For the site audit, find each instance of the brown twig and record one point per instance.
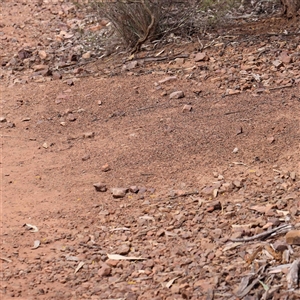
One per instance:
(262, 235)
(281, 87)
(185, 194)
(149, 28)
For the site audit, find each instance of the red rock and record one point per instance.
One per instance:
(187, 108)
(285, 58)
(39, 67)
(105, 168)
(277, 63)
(214, 206)
(177, 95)
(293, 237)
(201, 56)
(71, 118)
(119, 192)
(70, 82)
(123, 249)
(160, 232)
(104, 271)
(56, 76)
(271, 139)
(86, 55)
(112, 262)
(134, 189)
(167, 79)
(100, 187)
(237, 183)
(85, 157)
(90, 134)
(227, 187)
(42, 54)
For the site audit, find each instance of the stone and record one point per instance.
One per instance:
(77, 71)
(179, 60)
(89, 134)
(70, 82)
(11, 125)
(119, 192)
(42, 54)
(56, 76)
(160, 232)
(167, 79)
(39, 67)
(227, 187)
(201, 56)
(100, 187)
(293, 237)
(237, 183)
(187, 108)
(232, 92)
(123, 249)
(285, 58)
(86, 55)
(177, 95)
(104, 271)
(129, 66)
(134, 189)
(112, 262)
(23, 54)
(142, 190)
(293, 176)
(280, 246)
(85, 157)
(3, 120)
(105, 168)
(210, 190)
(271, 139)
(71, 118)
(216, 205)
(235, 150)
(277, 63)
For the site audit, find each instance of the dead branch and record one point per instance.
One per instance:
(264, 235)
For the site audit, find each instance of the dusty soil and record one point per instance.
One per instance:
(220, 163)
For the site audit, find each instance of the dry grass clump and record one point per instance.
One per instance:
(139, 20)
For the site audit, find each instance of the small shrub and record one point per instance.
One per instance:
(135, 21)
(139, 20)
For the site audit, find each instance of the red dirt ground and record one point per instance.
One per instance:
(49, 165)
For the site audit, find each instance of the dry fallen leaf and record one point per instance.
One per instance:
(72, 258)
(146, 217)
(279, 269)
(238, 163)
(80, 265)
(31, 228)
(120, 229)
(170, 282)
(121, 257)
(36, 244)
(231, 245)
(6, 259)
